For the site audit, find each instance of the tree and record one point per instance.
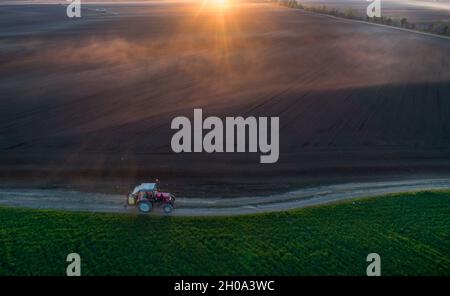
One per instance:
(404, 22)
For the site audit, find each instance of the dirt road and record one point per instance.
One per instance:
(96, 202)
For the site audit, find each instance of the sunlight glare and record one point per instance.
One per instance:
(220, 3)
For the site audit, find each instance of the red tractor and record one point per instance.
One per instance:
(147, 195)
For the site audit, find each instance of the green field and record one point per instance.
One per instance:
(410, 231)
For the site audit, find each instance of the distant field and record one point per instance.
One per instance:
(418, 11)
(410, 232)
(88, 103)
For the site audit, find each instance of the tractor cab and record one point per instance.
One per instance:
(146, 187)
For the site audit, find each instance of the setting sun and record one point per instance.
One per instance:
(220, 3)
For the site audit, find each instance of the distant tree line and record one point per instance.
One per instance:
(441, 28)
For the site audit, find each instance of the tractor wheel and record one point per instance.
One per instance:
(168, 208)
(145, 207)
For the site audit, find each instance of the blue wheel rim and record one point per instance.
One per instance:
(144, 207)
